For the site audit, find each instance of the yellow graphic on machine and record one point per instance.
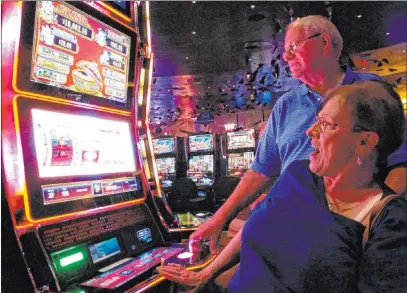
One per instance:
(87, 78)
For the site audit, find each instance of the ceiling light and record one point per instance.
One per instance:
(250, 59)
(253, 6)
(359, 16)
(187, 57)
(193, 2)
(387, 33)
(194, 32)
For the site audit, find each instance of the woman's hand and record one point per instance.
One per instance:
(179, 274)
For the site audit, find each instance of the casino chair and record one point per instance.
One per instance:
(223, 188)
(184, 196)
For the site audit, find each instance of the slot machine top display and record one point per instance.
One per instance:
(67, 53)
(163, 146)
(200, 143)
(241, 140)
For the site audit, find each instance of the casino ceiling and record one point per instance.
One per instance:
(218, 63)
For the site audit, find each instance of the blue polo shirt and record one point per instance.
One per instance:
(284, 139)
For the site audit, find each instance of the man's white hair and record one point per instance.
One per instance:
(314, 24)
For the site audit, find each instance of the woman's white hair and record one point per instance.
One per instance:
(314, 24)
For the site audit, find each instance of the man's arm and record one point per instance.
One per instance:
(228, 257)
(244, 194)
(266, 164)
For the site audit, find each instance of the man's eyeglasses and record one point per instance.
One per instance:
(294, 46)
(324, 125)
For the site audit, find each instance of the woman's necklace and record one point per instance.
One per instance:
(339, 206)
(353, 210)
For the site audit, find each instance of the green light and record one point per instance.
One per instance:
(75, 290)
(71, 259)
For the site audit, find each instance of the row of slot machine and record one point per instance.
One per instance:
(207, 156)
(78, 213)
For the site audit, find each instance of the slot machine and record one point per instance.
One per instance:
(240, 150)
(201, 158)
(80, 205)
(166, 152)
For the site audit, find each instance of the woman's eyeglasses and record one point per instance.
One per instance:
(324, 125)
(294, 46)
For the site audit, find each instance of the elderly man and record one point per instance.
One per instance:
(313, 46)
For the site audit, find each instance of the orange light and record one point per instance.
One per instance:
(161, 278)
(148, 28)
(140, 99)
(182, 229)
(111, 207)
(117, 12)
(18, 136)
(149, 139)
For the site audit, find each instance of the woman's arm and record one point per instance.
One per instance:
(228, 257)
(383, 266)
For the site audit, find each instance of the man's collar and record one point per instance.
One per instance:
(349, 77)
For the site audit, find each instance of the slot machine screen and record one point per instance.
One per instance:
(240, 161)
(104, 250)
(75, 55)
(165, 166)
(241, 140)
(70, 144)
(199, 143)
(144, 235)
(200, 169)
(76, 154)
(164, 145)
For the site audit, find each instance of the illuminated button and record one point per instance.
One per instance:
(185, 255)
(71, 259)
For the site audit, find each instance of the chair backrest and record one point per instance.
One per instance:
(184, 188)
(223, 187)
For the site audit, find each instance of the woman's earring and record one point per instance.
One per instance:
(359, 161)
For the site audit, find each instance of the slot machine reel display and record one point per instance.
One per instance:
(240, 151)
(201, 159)
(80, 204)
(165, 151)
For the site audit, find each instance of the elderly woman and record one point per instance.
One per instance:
(309, 237)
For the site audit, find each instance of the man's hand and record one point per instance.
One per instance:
(211, 231)
(243, 195)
